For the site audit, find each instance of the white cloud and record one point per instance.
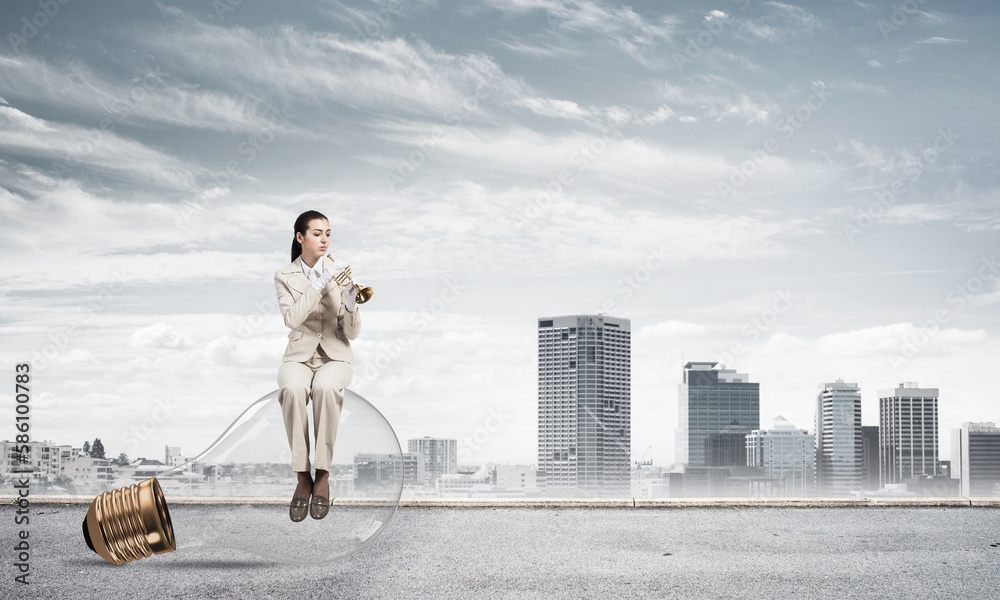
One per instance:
(547, 107)
(703, 97)
(672, 329)
(151, 97)
(469, 229)
(633, 34)
(853, 85)
(259, 352)
(544, 51)
(866, 155)
(919, 213)
(160, 335)
(117, 234)
(782, 23)
(105, 151)
(661, 114)
(532, 155)
(942, 40)
(76, 355)
(378, 74)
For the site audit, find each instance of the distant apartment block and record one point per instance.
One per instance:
(838, 439)
(440, 456)
(515, 477)
(376, 472)
(975, 459)
(172, 456)
(45, 461)
(717, 408)
(584, 404)
(908, 434)
(870, 479)
(787, 455)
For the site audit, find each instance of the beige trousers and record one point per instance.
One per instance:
(323, 379)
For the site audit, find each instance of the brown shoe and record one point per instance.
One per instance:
(297, 508)
(318, 507)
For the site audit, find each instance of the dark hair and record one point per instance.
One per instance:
(301, 226)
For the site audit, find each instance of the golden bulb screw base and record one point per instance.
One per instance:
(130, 523)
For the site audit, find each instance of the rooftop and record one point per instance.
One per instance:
(561, 552)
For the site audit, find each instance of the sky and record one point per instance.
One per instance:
(801, 191)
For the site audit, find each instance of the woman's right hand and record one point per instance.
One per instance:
(328, 274)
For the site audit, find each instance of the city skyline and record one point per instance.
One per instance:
(443, 451)
(789, 188)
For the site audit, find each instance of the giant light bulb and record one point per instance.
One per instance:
(248, 469)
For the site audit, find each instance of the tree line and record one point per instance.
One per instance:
(96, 450)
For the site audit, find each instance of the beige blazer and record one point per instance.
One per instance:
(315, 318)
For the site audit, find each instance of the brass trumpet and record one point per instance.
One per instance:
(364, 294)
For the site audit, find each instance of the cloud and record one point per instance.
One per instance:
(468, 229)
(151, 97)
(866, 155)
(120, 234)
(260, 352)
(102, 150)
(547, 107)
(672, 329)
(76, 355)
(541, 50)
(661, 114)
(919, 213)
(781, 23)
(942, 40)
(630, 32)
(880, 342)
(853, 85)
(707, 98)
(160, 335)
(394, 75)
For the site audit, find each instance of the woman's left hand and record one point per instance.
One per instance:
(350, 293)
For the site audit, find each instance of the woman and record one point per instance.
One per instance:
(323, 317)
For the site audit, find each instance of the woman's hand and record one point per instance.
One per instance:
(328, 274)
(350, 293)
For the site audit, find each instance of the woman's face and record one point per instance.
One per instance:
(316, 239)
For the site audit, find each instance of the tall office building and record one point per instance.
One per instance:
(908, 435)
(440, 456)
(838, 439)
(975, 459)
(717, 409)
(584, 403)
(787, 455)
(870, 479)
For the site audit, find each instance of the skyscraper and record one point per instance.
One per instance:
(584, 403)
(440, 456)
(975, 459)
(870, 479)
(908, 434)
(838, 439)
(717, 409)
(787, 455)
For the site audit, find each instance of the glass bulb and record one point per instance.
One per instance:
(248, 470)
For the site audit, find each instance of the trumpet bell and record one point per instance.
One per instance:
(364, 294)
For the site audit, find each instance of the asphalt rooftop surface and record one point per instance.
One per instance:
(547, 552)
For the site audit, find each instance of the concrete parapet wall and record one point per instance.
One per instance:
(878, 501)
